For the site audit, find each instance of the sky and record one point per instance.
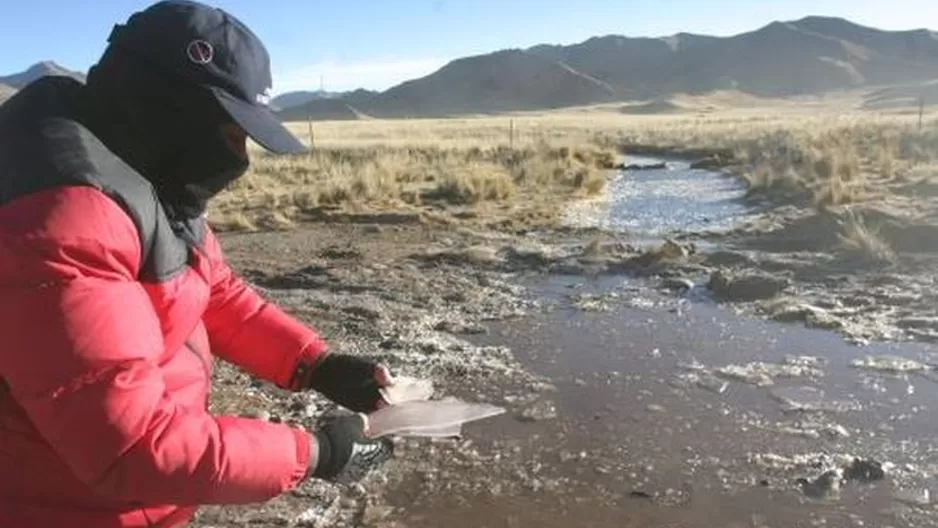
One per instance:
(346, 44)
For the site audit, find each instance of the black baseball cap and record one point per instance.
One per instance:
(211, 48)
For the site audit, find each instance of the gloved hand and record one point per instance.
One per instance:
(345, 454)
(350, 381)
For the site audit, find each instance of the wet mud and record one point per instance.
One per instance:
(659, 369)
(681, 414)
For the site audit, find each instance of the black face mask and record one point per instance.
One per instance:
(199, 175)
(172, 133)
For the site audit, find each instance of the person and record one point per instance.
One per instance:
(115, 295)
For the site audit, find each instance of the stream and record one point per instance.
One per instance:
(673, 412)
(664, 202)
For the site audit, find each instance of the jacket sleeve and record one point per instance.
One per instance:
(80, 354)
(253, 333)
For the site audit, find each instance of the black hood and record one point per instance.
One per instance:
(167, 129)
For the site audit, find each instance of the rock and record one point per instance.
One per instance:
(764, 374)
(889, 363)
(677, 283)
(594, 302)
(750, 287)
(641, 167)
(811, 399)
(865, 470)
(532, 254)
(656, 408)
(789, 311)
(727, 259)
(669, 251)
(825, 487)
(542, 410)
(712, 383)
(836, 431)
(714, 161)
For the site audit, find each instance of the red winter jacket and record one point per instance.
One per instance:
(104, 379)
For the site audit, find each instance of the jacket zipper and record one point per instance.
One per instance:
(205, 367)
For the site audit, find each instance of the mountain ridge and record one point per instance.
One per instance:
(810, 55)
(813, 54)
(37, 70)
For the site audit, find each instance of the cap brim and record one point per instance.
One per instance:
(261, 124)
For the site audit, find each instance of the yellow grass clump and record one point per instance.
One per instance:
(280, 191)
(863, 241)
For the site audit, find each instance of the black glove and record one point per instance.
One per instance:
(349, 381)
(345, 453)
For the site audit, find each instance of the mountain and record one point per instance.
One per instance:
(288, 99)
(810, 55)
(6, 92)
(505, 80)
(40, 69)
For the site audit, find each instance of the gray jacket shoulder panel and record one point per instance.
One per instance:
(39, 153)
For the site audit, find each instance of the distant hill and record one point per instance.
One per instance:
(810, 55)
(288, 99)
(325, 110)
(40, 69)
(908, 96)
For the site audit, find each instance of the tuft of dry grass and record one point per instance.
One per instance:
(864, 242)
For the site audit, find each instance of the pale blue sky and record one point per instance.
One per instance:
(377, 43)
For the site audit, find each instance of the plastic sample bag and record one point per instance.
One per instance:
(411, 413)
(427, 418)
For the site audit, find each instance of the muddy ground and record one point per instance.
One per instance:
(424, 298)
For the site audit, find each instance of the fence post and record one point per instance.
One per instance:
(511, 134)
(312, 138)
(921, 110)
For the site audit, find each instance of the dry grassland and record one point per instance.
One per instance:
(815, 152)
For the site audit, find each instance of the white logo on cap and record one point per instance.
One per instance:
(263, 97)
(200, 52)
